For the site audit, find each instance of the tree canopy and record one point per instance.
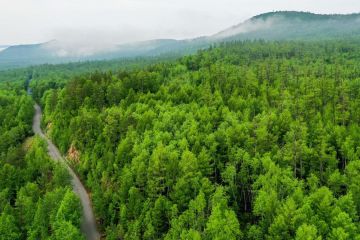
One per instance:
(245, 140)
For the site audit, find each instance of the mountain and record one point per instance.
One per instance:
(288, 25)
(3, 47)
(283, 25)
(54, 52)
(23, 55)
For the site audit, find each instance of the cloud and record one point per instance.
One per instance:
(249, 26)
(81, 43)
(31, 21)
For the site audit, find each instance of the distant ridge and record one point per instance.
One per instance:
(292, 25)
(305, 15)
(278, 25)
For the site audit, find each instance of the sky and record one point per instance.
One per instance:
(121, 21)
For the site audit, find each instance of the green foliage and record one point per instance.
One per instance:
(8, 227)
(41, 206)
(29, 180)
(223, 223)
(247, 140)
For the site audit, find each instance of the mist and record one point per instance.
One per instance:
(86, 27)
(83, 43)
(250, 26)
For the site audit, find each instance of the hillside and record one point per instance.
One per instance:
(294, 26)
(260, 137)
(268, 26)
(53, 53)
(24, 55)
(3, 47)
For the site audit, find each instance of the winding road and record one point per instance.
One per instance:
(88, 223)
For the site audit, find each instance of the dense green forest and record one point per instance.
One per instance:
(43, 77)
(36, 200)
(245, 140)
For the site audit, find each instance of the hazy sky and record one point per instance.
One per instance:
(31, 21)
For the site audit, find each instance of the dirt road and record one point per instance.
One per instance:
(88, 223)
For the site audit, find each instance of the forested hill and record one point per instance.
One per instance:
(287, 25)
(268, 26)
(307, 16)
(247, 140)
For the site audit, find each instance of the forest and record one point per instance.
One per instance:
(36, 201)
(244, 140)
